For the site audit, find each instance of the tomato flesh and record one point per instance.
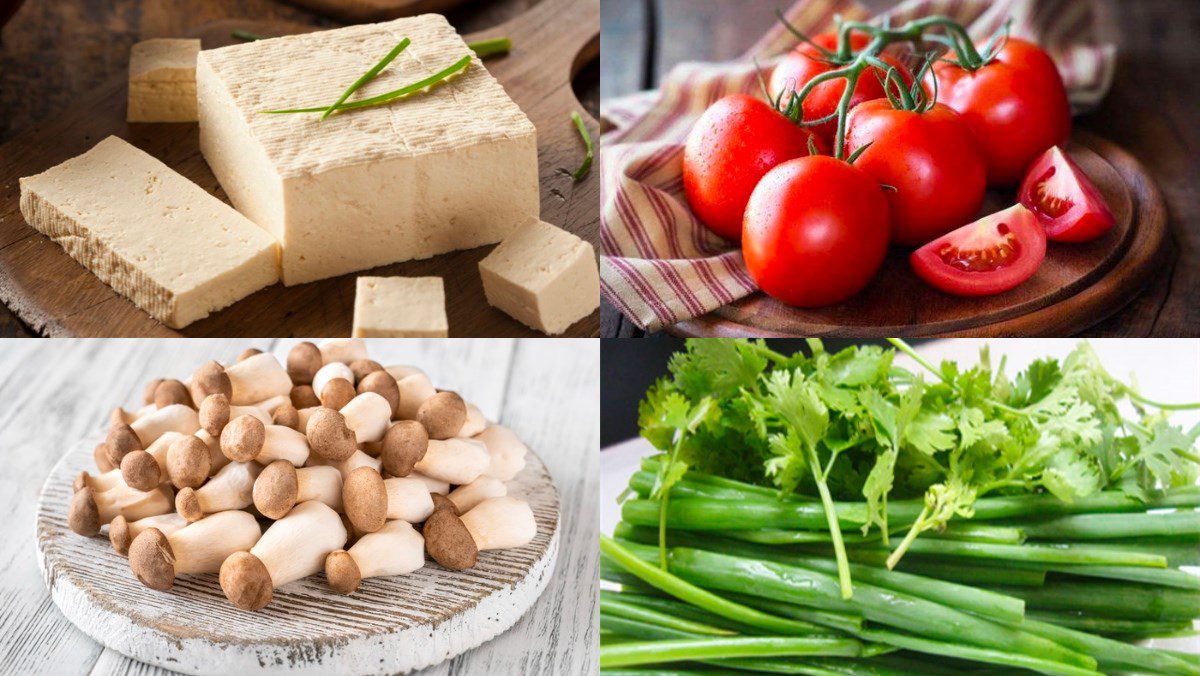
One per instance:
(989, 256)
(1064, 200)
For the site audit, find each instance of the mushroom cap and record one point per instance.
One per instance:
(152, 560)
(337, 393)
(382, 383)
(80, 482)
(100, 456)
(84, 516)
(248, 352)
(149, 390)
(140, 471)
(328, 435)
(287, 415)
(303, 397)
(188, 462)
(443, 415)
(246, 581)
(171, 391)
(275, 490)
(404, 445)
(442, 502)
(188, 505)
(303, 362)
(211, 378)
(361, 367)
(342, 572)
(448, 541)
(242, 439)
(118, 534)
(365, 500)
(214, 413)
(121, 439)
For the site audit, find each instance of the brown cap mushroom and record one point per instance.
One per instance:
(188, 462)
(382, 383)
(211, 379)
(214, 413)
(442, 502)
(120, 441)
(242, 439)
(249, 352)
(156, 558)
(361, 367)
(149, 390)
(276, 489)
(288, 416)
(100, 455)
(329, 436)
(140, 470)
(403, 447)
(171, 392)
(302, 396)
(303, 362)
(443, 415)
(342, 572)
(246, 581)
(365, 499)
(448, 541)
(337, 393)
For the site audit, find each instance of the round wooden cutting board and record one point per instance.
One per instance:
(390, 625)
(1077, 285)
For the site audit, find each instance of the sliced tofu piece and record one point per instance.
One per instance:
(152, 235)
(162, 81)
(543, 276)
(400, 307)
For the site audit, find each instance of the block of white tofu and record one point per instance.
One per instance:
(400, 307)
(449, 168)
(152, 235)
(162, 81)
(543, 276)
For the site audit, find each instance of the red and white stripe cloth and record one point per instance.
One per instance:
(659, 264)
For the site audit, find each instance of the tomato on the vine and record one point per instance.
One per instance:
(929, 157)
(737, 140)
(816, 231)
(806, 62)
(991, 255)
(1064, 200)
(1016, 105)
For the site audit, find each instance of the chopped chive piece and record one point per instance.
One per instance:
(388, 97)
(367, 76)
(246, 35)
(485, 48)
(587, 142)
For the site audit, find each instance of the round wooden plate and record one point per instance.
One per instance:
(390, 625)
(1077, 285)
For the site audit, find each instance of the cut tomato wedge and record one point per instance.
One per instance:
(1064, 200)
(991, 255)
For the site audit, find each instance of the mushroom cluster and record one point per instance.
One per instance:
(267, 473)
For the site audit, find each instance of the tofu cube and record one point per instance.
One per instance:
(162, 81)
(400, 307)
(449, 168)
(543, 276)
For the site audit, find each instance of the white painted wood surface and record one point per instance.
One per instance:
(56, 392)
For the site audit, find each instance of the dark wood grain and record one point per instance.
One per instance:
(363, 11)
(1156, 52)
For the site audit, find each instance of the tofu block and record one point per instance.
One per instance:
(152, 235)
(543, 276)
(453, 167)
(162, 81)
(400, 307)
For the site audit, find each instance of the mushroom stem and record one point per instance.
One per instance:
(257, 378)
(457, 461)
(408, 499)
(367, 415)
(156, 557)
(173, 418)
(469, 495)
(122, 531)
(414, 389)
(501, 523)
(231, 488)
(506, 452)
(283, 443)
(98, 482)
(395, 549)
(330, 372)
(475, 423)
(356, 460)
(434, 485)
(89, 508)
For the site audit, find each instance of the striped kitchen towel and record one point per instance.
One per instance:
(659, 264)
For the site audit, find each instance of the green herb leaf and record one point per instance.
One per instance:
(587, 144)
(367, 76)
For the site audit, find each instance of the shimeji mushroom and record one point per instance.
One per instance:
(122, 531)
(382, 383)
(367, 415)
(496, 523)
(201, 547)
(173, 418)
(395, 549)
(370, 501)
(443, 415)
(210, 378)
(89, 509)
(344, 350)
(281, 486)
(414, 389)
(403, 446)
(303, 362)
(467, 496)
(247, 439)
(457, 461)
(293, 547)
(329, 436)
(505, 450)
(257, 378)
(231, 488)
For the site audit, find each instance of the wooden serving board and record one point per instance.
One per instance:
(56, 296)
(390, 625)
(1076, 286)
(364, 11)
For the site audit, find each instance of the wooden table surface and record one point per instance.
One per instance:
(1147, 112)
(58, 391)
(52, 51)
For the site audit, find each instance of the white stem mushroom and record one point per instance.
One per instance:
(344, 350)
(383, 384)
(89, 509)
(467, 496)
(476, 422)
(329, 436)
(303, 415)
(367, 415)
(156, 557)
(505, 450)
(395, 549)
(257, 378)
(122, 531)
(209, 379)
(501, 523)
(414, 390)
(370, 501)
(457, 461)
(281, 486)
(328, 372)
(292, 548)
(173, 418)
(403, 446)
(345, 467)
(402, 371)
(434, 485)
(98, 482)
(268, 406)
(231, 488)
(443, 415)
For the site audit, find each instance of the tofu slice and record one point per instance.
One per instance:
(453, 167)
(400, 307)
(152, 235)
(542, 276)
(162, 81)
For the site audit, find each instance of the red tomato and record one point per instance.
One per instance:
(1016, 105)
(816, 231)
(991, 255)
(806, 62)
(737, 140)
(931, 160)
(1066, 203)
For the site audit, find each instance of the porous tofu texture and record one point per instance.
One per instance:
(542, 276)
(453, 167)
(162, 81)
(400, 307)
